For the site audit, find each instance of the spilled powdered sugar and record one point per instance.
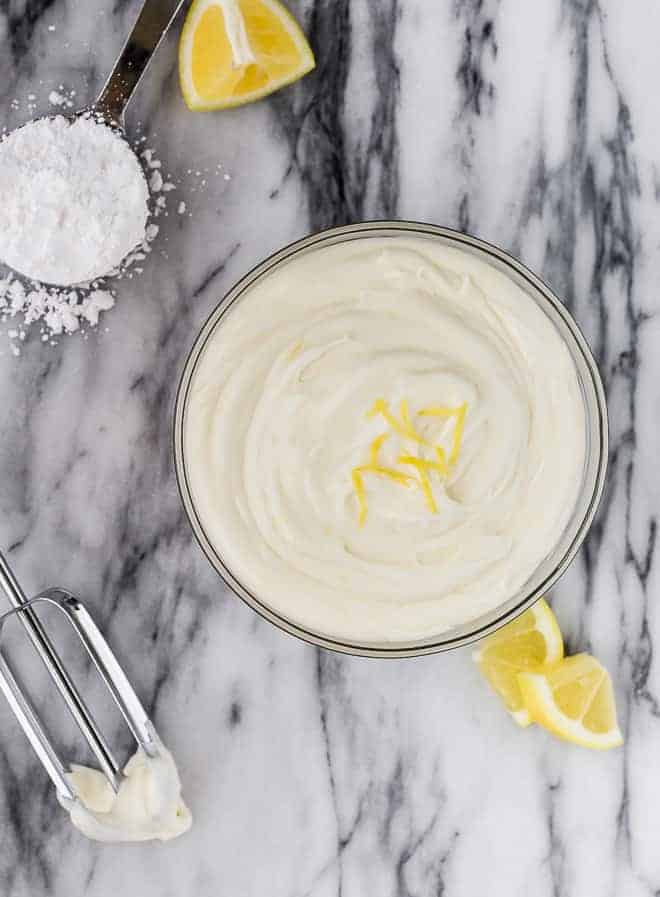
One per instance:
(57, 310)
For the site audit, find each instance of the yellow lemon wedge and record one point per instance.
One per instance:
(528, 643)
(236, 51)
(575, 701)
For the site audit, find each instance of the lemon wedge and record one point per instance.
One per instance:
(528, 643)
(575, 701)
(236, 51)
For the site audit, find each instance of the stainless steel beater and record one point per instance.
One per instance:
(103, 659)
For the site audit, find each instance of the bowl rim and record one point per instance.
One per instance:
(440, 643)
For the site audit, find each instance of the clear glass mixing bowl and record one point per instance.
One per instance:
(593, 474)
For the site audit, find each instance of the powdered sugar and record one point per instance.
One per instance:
(57, 311)
(74, 200)
(30, 310)
(55, 98)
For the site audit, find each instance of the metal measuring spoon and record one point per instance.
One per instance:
(152, 23)
(154, 19)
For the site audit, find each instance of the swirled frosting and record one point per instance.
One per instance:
(320, 359)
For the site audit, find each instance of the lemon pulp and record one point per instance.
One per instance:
(575, 701)
(528, 643)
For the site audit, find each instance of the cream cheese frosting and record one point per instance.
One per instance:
(148, 805)
(335, 361)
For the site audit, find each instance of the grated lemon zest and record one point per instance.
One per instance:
(459, 414)
(358, 486)
(422, 464)
(437, 411)
(407, 423)
(403, 479)
(442, 458)
(425, 482)
(404, 427)
(458, 433)
(375, 447)
(423, 467)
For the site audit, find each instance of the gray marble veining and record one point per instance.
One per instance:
(532, 125)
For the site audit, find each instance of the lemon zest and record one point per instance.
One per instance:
(375, 447)
(428, 492)
(403, 427)
(459, 414)
(360, 491)
(437, 411)
(442, 458)
(403, 479)
(424, 481)
(458, 434)
(423, 467)
(407, 423)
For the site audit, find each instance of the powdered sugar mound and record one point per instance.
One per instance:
(74, 200)
(47, 312)
(59, 311)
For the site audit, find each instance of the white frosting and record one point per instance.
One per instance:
(147, 806)
(277, 422)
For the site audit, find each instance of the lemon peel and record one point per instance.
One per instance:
(424, 467)
(403, 427)
(360, 491)
(458, 413)
(425, 482)
(439, 466)
(403, 479)
(396, 476)
(374, 449)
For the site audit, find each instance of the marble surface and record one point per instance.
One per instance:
(533, 125)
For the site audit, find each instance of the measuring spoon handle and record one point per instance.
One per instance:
(154, 19)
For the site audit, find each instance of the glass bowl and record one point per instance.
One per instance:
(593, 473)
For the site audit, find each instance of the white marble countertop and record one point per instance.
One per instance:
(533, 125)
